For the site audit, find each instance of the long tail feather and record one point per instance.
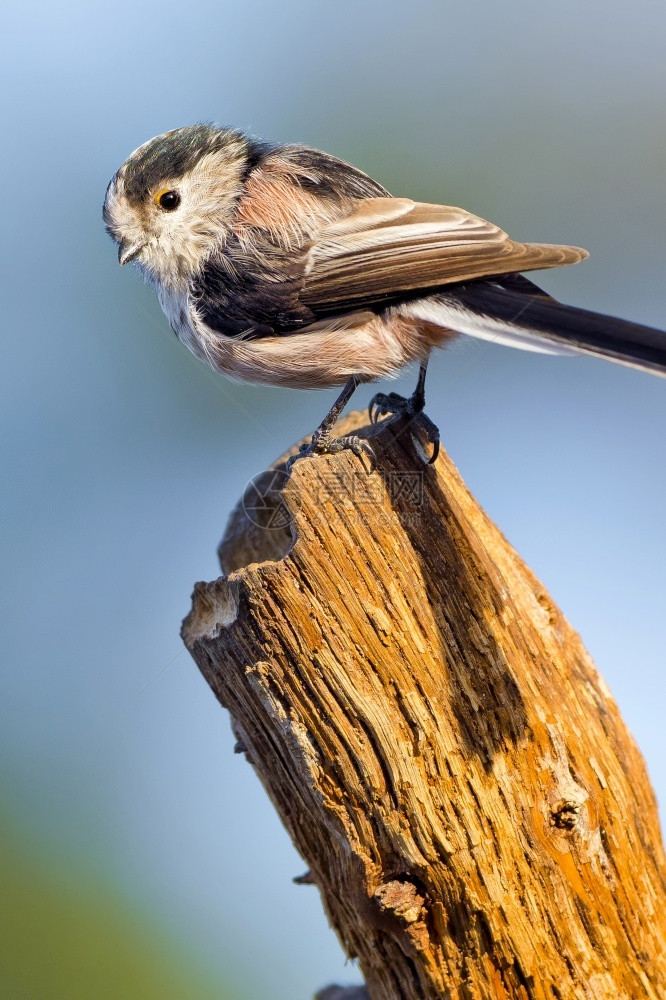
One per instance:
(511, 309)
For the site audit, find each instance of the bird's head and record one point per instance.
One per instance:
(172, 201)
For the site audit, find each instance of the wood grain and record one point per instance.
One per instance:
(434, 736)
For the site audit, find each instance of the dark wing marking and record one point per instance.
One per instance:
(236, 295)
(519, 283)
(386, 249)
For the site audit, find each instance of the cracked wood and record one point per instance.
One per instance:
(434, 736)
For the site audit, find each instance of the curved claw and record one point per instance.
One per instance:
(432, 434)
(382, 404)
(324, 445)
(359, 446)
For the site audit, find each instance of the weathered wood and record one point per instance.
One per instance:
(435, 738)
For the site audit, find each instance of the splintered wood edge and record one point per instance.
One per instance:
(262, 528)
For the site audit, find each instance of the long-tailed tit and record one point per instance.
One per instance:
(287, 266)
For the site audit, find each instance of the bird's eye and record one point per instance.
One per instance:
(168, 200)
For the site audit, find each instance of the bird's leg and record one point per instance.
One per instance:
(322, 443)
(410, 410)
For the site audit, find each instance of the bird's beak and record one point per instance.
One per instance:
(128, 251)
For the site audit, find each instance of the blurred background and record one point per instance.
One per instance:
(140, 858)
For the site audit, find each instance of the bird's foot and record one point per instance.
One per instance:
(324, 444)
(409, 409)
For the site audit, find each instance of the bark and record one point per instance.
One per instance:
(434, 736)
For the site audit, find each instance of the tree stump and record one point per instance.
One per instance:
(434, 736)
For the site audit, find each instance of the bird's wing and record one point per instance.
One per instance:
(387, 248)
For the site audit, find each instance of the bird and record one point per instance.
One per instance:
(284, 265)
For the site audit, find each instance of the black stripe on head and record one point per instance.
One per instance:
(170, 156)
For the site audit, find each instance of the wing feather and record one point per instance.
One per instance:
(388, 247)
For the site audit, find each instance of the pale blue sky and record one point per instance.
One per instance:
(123, 456)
